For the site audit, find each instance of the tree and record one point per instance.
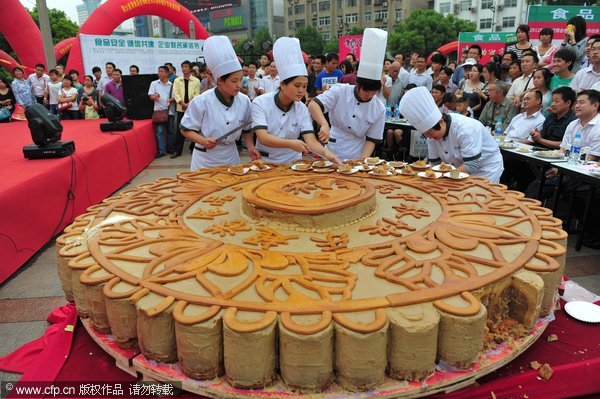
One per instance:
(331, 46)
(426, 30)
(262, 36)
(311, 40)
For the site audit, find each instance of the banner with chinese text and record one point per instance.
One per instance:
(148, 53)
(490, 43)
(556, 17)
(350, 45)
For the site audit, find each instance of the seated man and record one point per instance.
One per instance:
(561, 114)
(499, 106)
(531, 118)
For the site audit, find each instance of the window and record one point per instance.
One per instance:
(398, 15)
(324, 21)
(339, 20)
(485, 4)
(351, 3)
(510, 3)
(314, 22)
(381, 15)
(326, 36)
(290, 10)
(324, 5)
(367, 16)
(465, 5)
(352, 18)
(485, 23)
(299, 9)
(445, 8)
(300, 23)
(367, 3)
(508, 22)
(290, 24)
(340, 4)
(313, 7)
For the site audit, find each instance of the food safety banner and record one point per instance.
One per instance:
(148, 53)
(490, 43)
(556, 17)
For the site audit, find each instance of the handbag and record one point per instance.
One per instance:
(18, 113)
(64, 106)
(160, 116)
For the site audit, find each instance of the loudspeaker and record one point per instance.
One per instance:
(135, 89)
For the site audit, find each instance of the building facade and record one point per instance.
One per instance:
(335, 18)
(489, 15)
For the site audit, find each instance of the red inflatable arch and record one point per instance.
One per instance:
(21, 33)
(112, 13)
(449, 48)
(64, 47)
(9, 63)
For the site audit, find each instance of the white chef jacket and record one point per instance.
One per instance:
(210, 115)
(352, 120)
(290, 123)
(468, 139)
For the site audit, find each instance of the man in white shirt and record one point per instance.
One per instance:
(110, 67)
(38, 81)
(159, 92)
(587, 125)
(524, 82)
(251, 82)
(404, 74)
(522, 124)
(587, 77)
(419, 75)
(270, 82)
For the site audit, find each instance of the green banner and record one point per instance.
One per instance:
(474, 37)
(562, 13)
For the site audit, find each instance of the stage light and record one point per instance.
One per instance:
(46, 131)
(114, 111)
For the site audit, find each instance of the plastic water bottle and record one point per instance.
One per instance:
(575, 154)
(397, 112)
(388, 111)
(498, 129)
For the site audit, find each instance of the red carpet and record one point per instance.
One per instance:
(39, 198)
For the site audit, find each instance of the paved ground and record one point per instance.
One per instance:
(28, 297)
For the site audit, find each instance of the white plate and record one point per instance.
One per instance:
(257, 169)
(378, 162)
(239, 174)
(323, 170)
(295, 167)
(436, 168)
(325, 165)
(595, 172)
(420, 167)
(462, 175)
(354, 170)
(508, 145)
(583, 311)
(392, 164)
(549, 154)
(422, 174)
(388, 173)
(401, 172)
(361, 167)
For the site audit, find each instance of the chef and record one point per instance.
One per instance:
(452, 138)
(357, 116)
(218, 117)
(280, 120)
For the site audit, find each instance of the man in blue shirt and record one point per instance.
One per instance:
(330, 76)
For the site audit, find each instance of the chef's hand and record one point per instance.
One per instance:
(299, 146)
(254, 154)
(323, 134)
(331, 157)
(208, 143)
(553, 172)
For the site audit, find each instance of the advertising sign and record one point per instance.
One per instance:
(232, 18)
(556, 17)
(491, 43)
(350, 44)
(148, 53)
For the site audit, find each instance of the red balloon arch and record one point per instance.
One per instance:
(25, 38)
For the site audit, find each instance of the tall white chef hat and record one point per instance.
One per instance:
(372, 53)
(220, 56)
(418, 107)
(288, 58)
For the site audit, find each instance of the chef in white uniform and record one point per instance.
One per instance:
(453, 138)
(218, 111)
(357, 116)
(280, 120)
